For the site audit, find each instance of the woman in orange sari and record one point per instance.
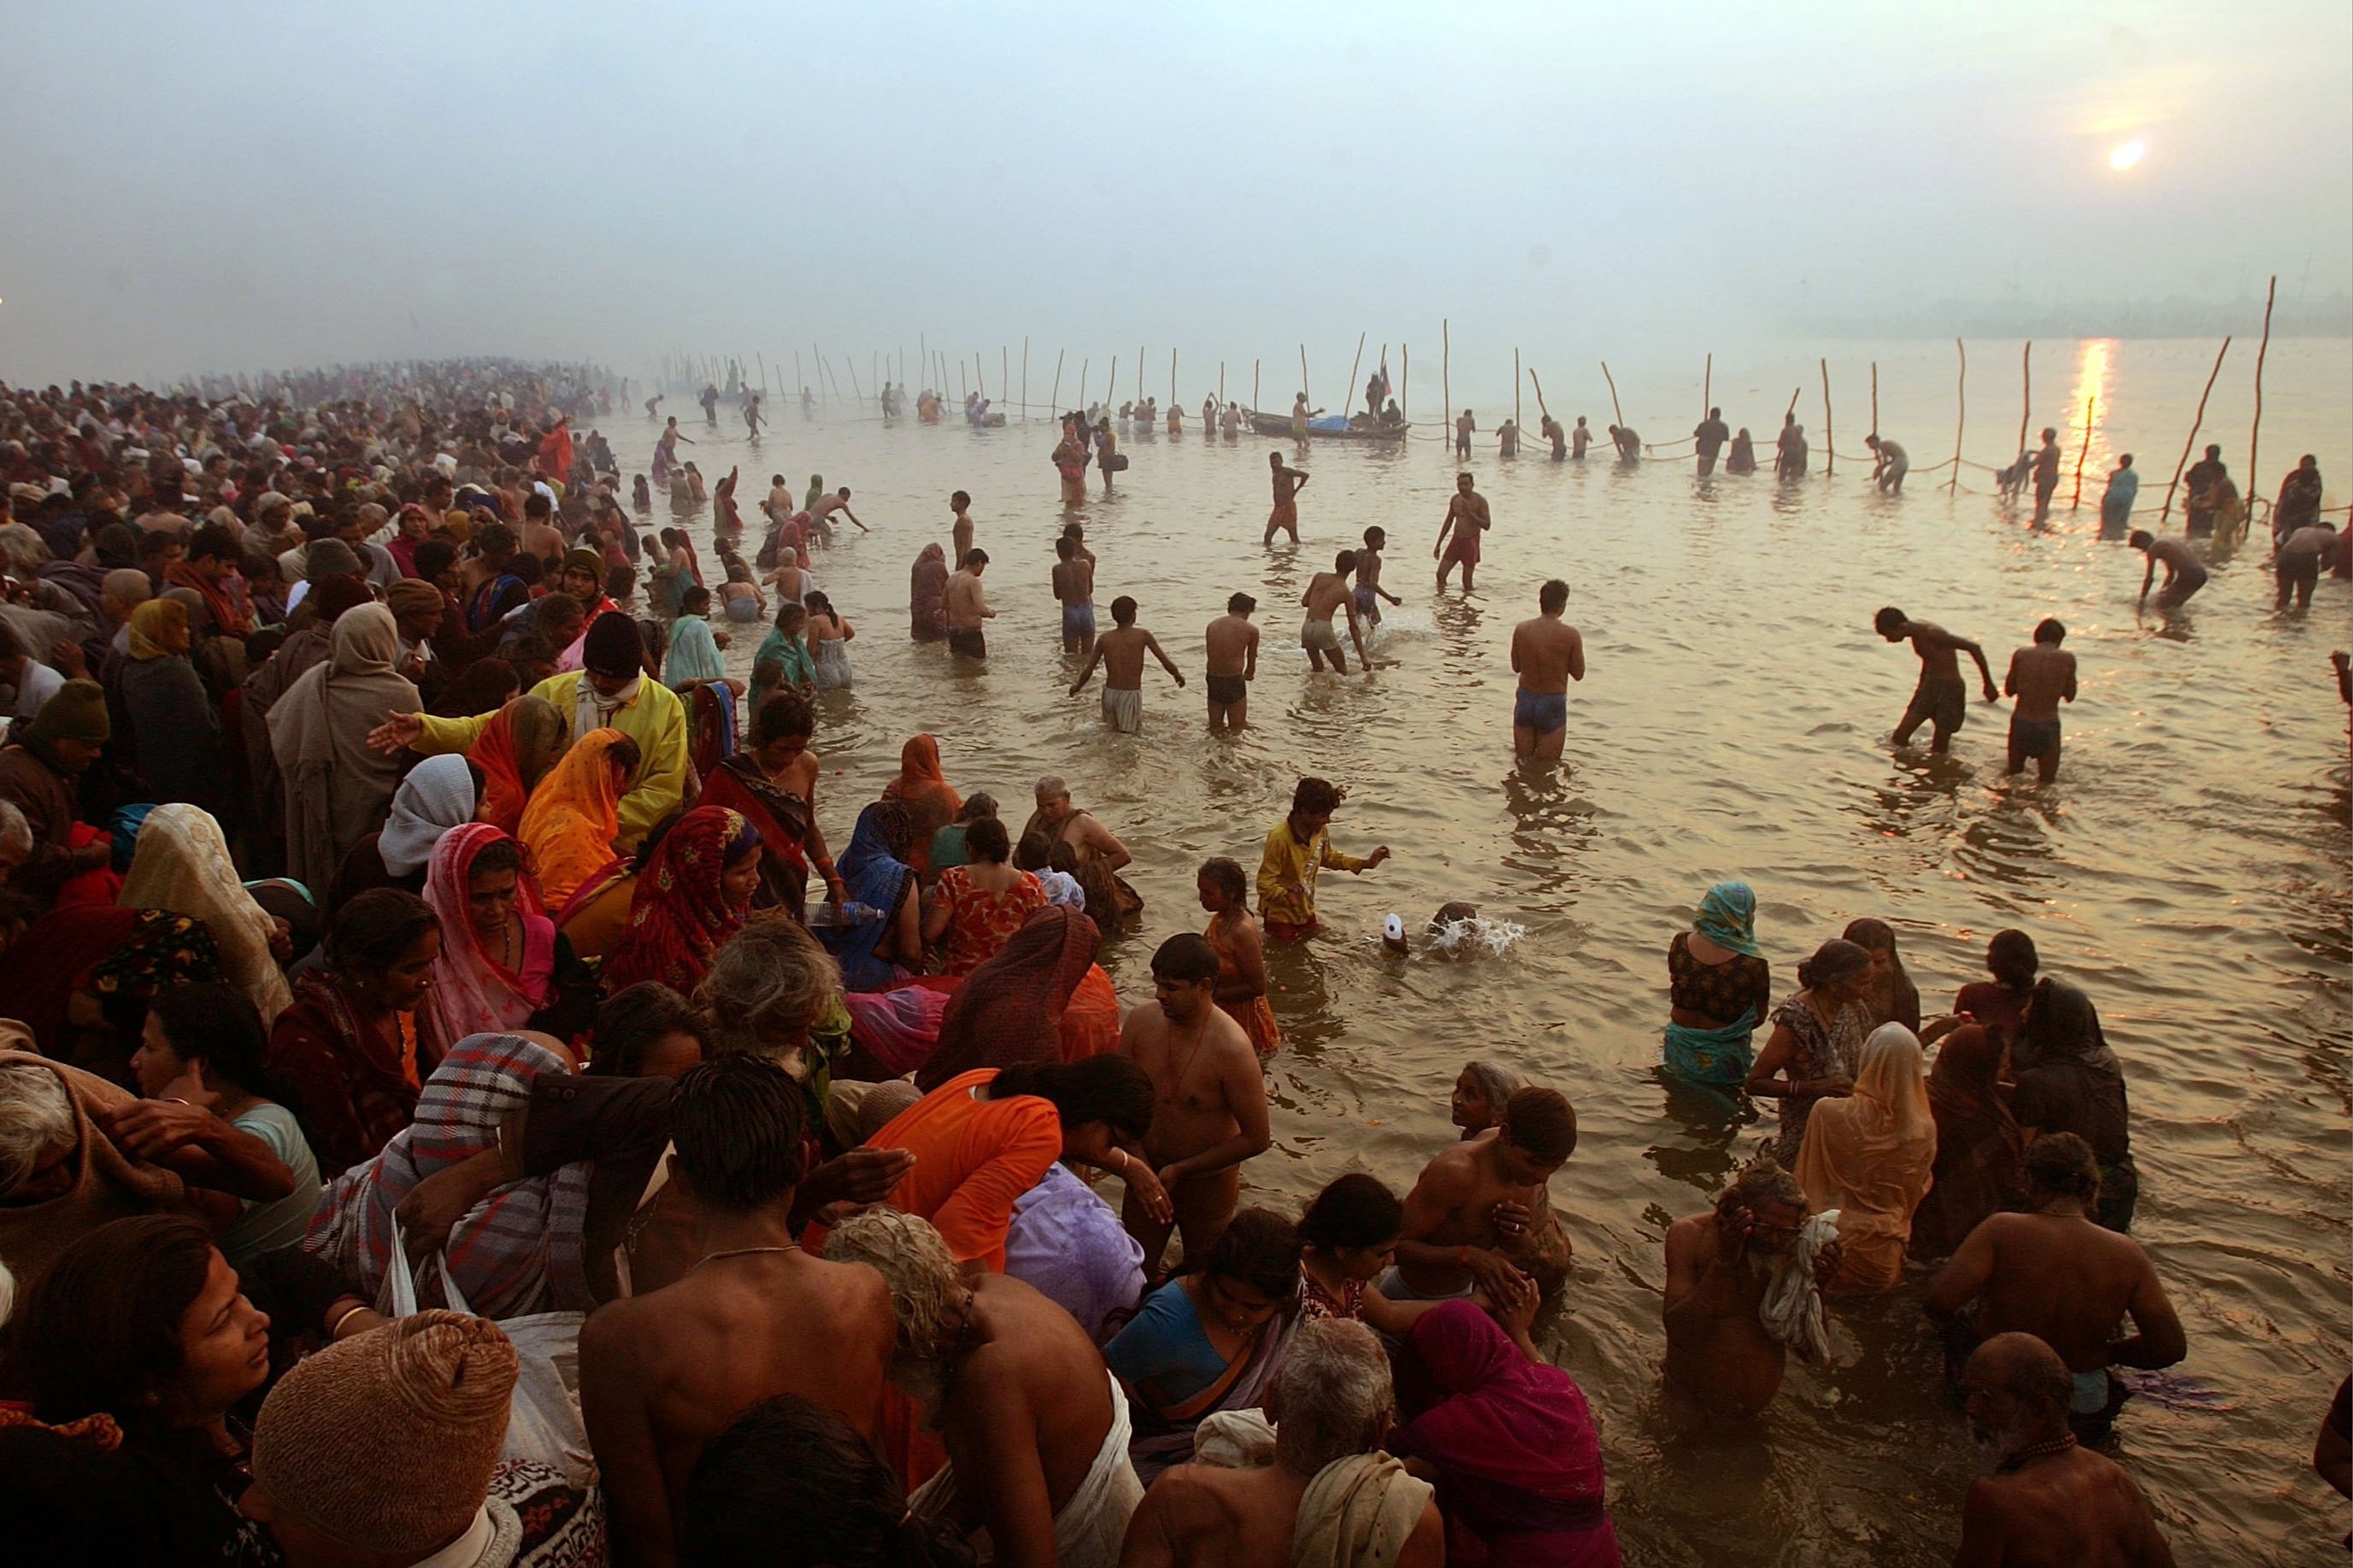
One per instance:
(923, 790)
(569, 826)
(1871, 1156)
(516, 749)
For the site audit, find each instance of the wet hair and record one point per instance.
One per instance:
(1335, 1394)
(2140, 539)
(781, 716)
(1889, 619)
(2051, 631)
(2060, 1165)
(738, 1124)
(1240, 604)
(217, 1024)
(1762, 1181)
(1226, 876)
(1065, 548)
(1122, 610)
(1110, 1088)
(633, 1022)
(1352, 1213)
(985, 840)
(1259, 1249)
(1187, 957)
(2012, 959)
(1542, 1122)
(1035, 852)
(1375, 537)
(1316, 797)
(1344, 562)
(976, 556)
(1835, 963)
(792, 1485)
(926, 1287)
(493, 540)
(959, 499)
(101, 1331)
(1553, 597)
(372, 929)
(433, 557)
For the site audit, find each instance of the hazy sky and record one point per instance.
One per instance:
(240, 185)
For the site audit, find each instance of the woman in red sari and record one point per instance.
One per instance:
(694, 890)
(1011, 1010)
(923, 790)
(979, 906)
(773, 784)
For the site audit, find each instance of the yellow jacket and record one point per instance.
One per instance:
(654, 719)
(1288, 860)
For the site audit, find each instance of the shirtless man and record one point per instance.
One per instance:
(2048, 1502)
(1288, 482)
(1331, 1402)
(959, 532)
(1719, 1264)
(1709, 437)
(1229, 422)
(2059, 1276)
(1507, 439)
(1015, 1388)
(1549, 429)
(1075, 589)
(1089, 839)
(2046, 473)
(1889, 463)
(2184, 573)
(1465, 428)
(1121, 652)
(1942, 698)
(1211, 1113)
(821, 514)
(967, 606)
(779, 504)
(1471, 1221)
(1370, 592)
(1467, 518)
(660, 1375)
(2040, 678)
(1629, 441)
(1233, 663)
(1580, 439)
(1547, 653)
(1328, 591)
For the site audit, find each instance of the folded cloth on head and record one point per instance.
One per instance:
(1234, 1440)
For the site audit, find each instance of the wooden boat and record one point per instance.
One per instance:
(1329, 427)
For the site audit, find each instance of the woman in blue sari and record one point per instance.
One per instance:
(885, 944)
(1721, 989)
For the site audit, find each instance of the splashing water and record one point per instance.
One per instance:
(1456, 938)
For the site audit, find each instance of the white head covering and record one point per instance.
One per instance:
(437, 796)
(182, 864)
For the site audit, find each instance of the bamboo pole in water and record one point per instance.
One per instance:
(923, 352)
(1348, 393)
(2026, 414)
(858, 391)
(1111, 384)
(1003, 370)
(1405, 376)
(764, 373)
(820, 369)
(1172, 378)
(799, 385)
(1615, 406)
(835, 382)
(1302, 376)
(1254, 387)
(1082, 382)
(1539, 386)
(1830, 445)
(2083, 452)
(1139, 374)
(963, 383)
(2255, 480)
(2201, 419)
(1515, 388)
(1445, 359)
(1707, 386)
(1874, 397)
(1025, 379)
(1054, 398)
(1221, 383)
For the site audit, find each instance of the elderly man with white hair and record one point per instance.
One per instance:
(1095, 849)
(1330, 1498)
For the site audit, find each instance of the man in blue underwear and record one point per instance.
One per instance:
(1547, 653)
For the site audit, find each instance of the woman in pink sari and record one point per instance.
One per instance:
(503, 966)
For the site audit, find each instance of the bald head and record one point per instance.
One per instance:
(123, 590)
(2017, 1392)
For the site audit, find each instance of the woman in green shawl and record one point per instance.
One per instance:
(1720, 988)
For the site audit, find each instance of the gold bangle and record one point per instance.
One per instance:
(336, 1327)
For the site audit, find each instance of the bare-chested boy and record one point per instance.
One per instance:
(1471, 1221)
(2040, 678)
(779, 504)
(1233, 663)
(960, 531)
(968, 607)
(1327, 593)
(1211, 1111)
(1942, 698)
(660, 1375)
(1467, 518)
(1547, 653)
(1121, 652)
(1074, 587)
(1288, 482)
(1370, 592)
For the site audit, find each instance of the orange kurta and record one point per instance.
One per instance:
(974, 1158)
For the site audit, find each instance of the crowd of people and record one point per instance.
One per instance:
(412, 989)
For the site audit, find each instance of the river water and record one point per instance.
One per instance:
(2189, 868)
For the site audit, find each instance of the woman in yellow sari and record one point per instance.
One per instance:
(1872, 1157)
(569, 826)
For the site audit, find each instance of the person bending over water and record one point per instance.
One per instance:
(2184, 573)
(1942, 699)
(1738, 1295)
(1546, 653)
(1233, 663)
(1121, 652)
(1889, 463)
(2040, 678)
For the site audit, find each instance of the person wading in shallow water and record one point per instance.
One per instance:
(1721, 1353)
(1942, 699)
(1288, 482)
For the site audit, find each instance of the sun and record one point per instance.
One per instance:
(2125, 155)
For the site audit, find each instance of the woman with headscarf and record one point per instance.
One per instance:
(575, 815)
(2068, 1080)
(338, 788)
(176, 735)
(1978, 1142)
(519, 1250)
(1719, 989)
(515, 749)
(695, 891)
(1517, 1457)
(351, 1045)
(923, 789)
(927, 594)
(1893, 998)
(1009, 1010)
(182, 864)
(1817, 1041)
(1870, 1156)
(436, 797)
(878, 948)
(772, 781)
(503, 965)
(79, 978)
